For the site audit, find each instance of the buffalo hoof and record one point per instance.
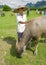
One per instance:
(35, 53)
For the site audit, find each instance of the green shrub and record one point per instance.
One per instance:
(41, 8)
(6, 8)
(33, 8)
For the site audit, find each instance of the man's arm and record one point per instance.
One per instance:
(24, 22)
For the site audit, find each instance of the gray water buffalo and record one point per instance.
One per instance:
(34, 30)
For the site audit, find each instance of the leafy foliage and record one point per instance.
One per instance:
(6, 8)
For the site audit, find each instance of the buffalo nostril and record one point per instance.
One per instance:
(19, 55)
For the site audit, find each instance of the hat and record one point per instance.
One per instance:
(17, 10)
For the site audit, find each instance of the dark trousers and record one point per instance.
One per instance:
(19, 36)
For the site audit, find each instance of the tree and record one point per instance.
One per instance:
(6, 8)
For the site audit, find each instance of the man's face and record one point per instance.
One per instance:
(21, 11)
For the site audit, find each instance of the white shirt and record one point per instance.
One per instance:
(21, 27)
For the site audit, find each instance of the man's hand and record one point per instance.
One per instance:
(29, 20)
(22, 22)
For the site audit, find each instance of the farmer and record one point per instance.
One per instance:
(28, 11)
(45, 11)
(21, 20)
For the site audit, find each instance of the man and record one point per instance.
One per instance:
(21, 20)
(28, 11)
(45, 11)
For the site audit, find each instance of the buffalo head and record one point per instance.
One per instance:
(19, 49)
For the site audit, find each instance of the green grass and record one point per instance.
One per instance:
(7, 22)
(28, 59)
(8, 35)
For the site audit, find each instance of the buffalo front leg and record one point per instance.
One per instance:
(36, 47)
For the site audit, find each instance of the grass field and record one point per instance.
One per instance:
(8, 35)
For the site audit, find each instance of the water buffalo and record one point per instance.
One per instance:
(34, 30)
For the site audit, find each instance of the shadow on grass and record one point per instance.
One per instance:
(12, 41)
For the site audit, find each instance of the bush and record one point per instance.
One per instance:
(33, 8)
(41, 8)
(6, 8)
